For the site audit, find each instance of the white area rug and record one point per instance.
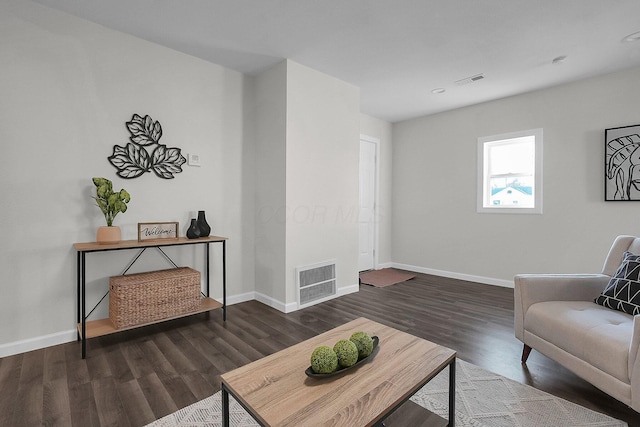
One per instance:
(483, 399)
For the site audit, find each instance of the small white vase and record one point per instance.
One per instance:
(107, 234)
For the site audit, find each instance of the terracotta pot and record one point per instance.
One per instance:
(108, 234)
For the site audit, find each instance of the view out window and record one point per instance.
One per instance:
(510, 172)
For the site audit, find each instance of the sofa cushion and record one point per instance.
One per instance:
(597, 335)
(623, 291)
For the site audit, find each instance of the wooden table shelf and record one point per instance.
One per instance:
(96, 328)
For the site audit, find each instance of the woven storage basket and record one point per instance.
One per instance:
(141, 298)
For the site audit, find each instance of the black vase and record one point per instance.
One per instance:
(205, 229)
(193, 232)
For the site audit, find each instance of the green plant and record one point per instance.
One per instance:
(324, 360)
(364, 342)
(347, 353)
(110, 202)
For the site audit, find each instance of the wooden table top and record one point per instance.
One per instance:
(279, 393)
(132, 244)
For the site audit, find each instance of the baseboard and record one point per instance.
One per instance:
(384, 265)
(277, 304)
(293, 306)
(348, 290)
(237, 299)
(37, 343)
(452, 275)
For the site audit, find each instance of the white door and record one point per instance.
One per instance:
(367, 216)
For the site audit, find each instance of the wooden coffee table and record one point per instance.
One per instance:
(276, 391)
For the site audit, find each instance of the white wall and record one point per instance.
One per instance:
(382, 131)
(435, 224)
(67, 87)
(323, 152)
(307, 153)
(273, 147)
(269, 119)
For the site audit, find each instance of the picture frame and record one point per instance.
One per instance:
(157, 231)
(622, 164)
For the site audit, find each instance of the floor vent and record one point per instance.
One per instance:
(316, 283)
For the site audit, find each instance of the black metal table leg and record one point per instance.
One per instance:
(224, 280)
(225, 406)
(84, 308)
(78, 273)
(452, 392)
(206, 266)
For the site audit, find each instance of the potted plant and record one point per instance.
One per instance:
(111, 204)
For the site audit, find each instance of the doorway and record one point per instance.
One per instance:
(367, 218)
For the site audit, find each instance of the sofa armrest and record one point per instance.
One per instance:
(634, 364)
(534, 288)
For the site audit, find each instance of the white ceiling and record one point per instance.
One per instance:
(396, 51)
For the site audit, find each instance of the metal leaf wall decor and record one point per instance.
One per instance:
(145, 153)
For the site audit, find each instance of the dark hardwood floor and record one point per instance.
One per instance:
(135, 377)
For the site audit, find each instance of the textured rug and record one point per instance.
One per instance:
(483, 399)
(384, 277)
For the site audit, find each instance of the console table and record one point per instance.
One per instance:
(101, 327)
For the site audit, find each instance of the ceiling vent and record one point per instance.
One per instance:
(471, 79)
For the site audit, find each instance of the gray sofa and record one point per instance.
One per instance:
(556, 315)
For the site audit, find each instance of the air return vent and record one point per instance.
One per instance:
(470, 79)
(316, 283)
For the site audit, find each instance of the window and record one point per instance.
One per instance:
(510, 173)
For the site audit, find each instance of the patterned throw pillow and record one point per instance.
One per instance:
(623, 291)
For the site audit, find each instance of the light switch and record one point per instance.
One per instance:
(193, 160)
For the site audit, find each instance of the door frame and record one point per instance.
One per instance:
(376, 195)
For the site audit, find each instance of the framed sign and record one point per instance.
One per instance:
(157, 230)
(622, 164)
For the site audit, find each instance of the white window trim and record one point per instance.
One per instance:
(537, 209)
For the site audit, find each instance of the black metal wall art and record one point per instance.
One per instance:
(622, 164)
(145, 153)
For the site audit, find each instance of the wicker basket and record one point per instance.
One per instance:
(141, 298)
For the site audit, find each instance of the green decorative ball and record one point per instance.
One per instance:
(363, 342)
(347, 353)
(324, 360)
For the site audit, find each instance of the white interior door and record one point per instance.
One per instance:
(367, 215)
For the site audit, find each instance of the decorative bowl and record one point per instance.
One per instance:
(364, 360)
